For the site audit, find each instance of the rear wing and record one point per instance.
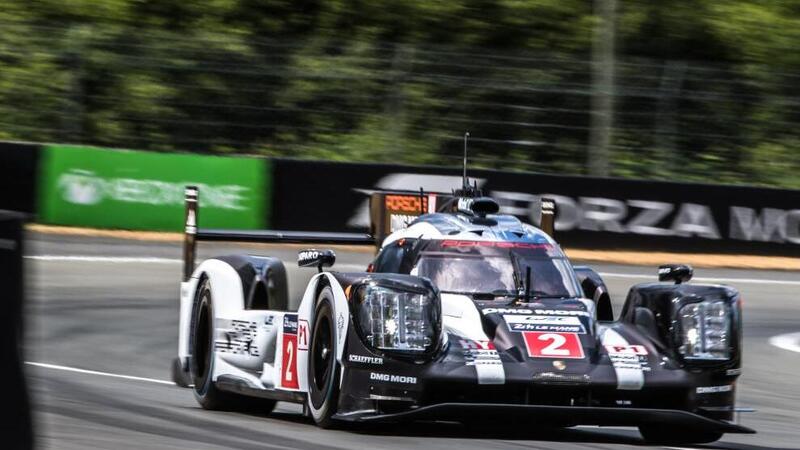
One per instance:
(389, 212)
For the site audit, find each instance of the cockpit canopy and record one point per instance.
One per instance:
(488, 269)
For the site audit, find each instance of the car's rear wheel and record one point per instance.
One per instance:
(660, 434)
(201, 362)
(323, 369)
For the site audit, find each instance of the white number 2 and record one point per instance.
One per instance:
(290, 353)
(554, 347)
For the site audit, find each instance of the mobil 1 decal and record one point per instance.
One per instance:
(549, 324)
(553, 345)
(289, 352)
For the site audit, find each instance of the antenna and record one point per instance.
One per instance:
(465, 181)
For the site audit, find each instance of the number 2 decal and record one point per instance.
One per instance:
(288, 376)
(553, 345)
(289, 353)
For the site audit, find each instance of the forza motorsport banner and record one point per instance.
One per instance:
(591, 212)
(105, 188)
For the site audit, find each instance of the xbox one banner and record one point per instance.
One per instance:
(105, 188)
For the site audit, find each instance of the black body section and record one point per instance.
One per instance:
(654, 308)
(595, 288)
(557, 415)
(316, 258)
(263, 281)
(679, 273)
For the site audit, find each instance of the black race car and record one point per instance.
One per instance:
(464, 313)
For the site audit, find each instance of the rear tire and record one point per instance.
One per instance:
(201, 361)
(656, 434)
(323, 369)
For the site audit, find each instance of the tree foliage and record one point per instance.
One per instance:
(705, 90)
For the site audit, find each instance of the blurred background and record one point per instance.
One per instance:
(658, 94)
(668, 89)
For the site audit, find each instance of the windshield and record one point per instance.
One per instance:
(498, 275)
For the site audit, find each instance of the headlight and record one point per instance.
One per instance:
(705, 330)
(395, 319)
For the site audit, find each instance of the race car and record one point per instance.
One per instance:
(464, 314)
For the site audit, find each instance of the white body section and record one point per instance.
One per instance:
(266, 349)
(462, 318)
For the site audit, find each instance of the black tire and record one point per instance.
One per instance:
(661, 434)
(323, 369)
(179, 377)
(201, 361)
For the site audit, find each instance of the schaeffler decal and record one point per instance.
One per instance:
(289, 353)
(365, 359)
(547, 324)
(553, 345)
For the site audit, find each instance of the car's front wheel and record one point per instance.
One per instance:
(323, 369)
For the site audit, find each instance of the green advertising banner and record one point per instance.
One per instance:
(105, 188)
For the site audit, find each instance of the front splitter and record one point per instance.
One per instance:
(571, 415)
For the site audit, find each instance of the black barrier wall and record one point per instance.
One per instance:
(16, 423)
(592, 212)
(18, 176)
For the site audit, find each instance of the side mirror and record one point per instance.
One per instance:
(679, 273)
(316, 258)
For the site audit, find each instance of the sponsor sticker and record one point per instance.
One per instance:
(714, 389)
(626, 349)
(365, 359)
(476, 345)
(633, 357)
(553, 345)
(548, 324)
(538, 312)
(302, 334)
(391, 378)
(289, 353)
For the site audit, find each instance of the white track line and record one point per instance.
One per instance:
(94, 372)
(158, 260)
(654, 277)
(105, 259)
(789, 341)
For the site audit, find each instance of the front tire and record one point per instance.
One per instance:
(323, 369)
(201, 361)
(655, 434)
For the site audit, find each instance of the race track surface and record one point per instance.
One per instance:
(98, 305)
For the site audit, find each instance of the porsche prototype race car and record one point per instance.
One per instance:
(464, 314)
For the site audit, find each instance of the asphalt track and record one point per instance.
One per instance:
(101, 306)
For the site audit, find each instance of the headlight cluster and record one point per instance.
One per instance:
(397, 319)
(705, 330)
